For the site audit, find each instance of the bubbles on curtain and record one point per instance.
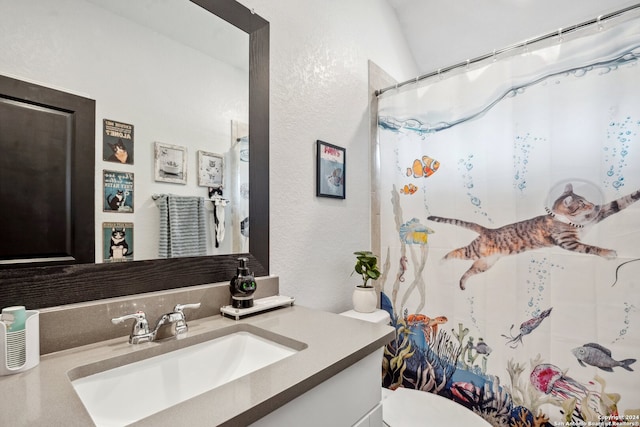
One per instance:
(539, 271)
(465, 166)
(628, 309)
(620, 135)
(472, 313)
(522, 147)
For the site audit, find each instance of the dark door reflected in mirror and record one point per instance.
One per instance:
(46, 174)
(39, 287)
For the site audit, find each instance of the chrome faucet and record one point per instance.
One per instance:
(140, 332)
(169, 325)
(173, 324)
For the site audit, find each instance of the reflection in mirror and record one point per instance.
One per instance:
(46, 175)
(239, 160)
(167, 71)
(34, 49)
(198, 95)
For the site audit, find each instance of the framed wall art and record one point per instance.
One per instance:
(330, 170)
(170, 163)
(210, 169)
(117, 143)
(117, 241)
(117, 191)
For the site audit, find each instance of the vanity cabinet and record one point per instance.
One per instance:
(350, 398)
(331, 379)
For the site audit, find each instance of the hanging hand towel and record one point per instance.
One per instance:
(182, 226)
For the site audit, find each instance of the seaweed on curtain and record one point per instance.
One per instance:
(397, 215)
(471, 352)
(419, 357)
(411, 233)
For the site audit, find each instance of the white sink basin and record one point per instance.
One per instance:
(128, 393)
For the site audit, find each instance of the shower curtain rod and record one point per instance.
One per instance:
(559, 33)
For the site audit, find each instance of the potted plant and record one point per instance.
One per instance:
(365, 299)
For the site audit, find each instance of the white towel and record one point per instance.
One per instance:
(182, 226)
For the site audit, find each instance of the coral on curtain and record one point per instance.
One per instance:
(510, 230)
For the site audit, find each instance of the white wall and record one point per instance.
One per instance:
(319, 52)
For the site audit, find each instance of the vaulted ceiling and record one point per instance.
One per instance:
(441, 33)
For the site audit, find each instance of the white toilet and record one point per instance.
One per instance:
(413, 408)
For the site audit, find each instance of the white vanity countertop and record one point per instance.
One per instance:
(44, 396)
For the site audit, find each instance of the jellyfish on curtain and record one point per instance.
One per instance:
(551, 380)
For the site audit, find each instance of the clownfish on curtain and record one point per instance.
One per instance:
(509, 230)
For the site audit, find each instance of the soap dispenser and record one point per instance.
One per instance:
(242, 286)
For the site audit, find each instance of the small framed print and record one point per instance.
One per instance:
(170, 163)
(117, 241)
(117, 191)
(117, 145)
(210, 169)
(330, 170)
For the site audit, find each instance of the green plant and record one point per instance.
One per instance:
(366, 266)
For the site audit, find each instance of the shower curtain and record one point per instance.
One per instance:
(509, 232)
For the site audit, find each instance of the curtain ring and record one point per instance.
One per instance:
(439, 75)
(560, 34)
(599, 22)
(494, 56)
(467, 66)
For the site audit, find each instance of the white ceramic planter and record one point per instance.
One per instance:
(365, 300)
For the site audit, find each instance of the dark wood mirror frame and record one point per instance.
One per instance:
(41, 287)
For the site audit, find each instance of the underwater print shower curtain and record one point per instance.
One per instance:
(510, 232)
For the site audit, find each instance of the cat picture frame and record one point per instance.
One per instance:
(170, 163)
(118, 191)
(117, 142)
(210, 169)
(117, 242)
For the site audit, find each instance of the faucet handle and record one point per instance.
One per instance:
(139, 316)
(181, 323)
(140, 330)
(180, 307)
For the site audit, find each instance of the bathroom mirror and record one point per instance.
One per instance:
(39, 287)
